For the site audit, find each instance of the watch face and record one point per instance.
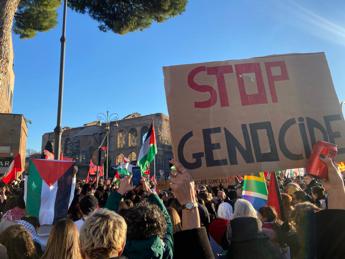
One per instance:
(189, 206)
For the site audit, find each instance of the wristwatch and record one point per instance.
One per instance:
(190, 205)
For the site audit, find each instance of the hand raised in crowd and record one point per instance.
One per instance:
(125, 185)
(334, 185)
(182, 184)
(183, 187)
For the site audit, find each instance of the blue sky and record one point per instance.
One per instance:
(123, 74)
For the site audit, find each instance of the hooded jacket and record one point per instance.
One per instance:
(248, 242)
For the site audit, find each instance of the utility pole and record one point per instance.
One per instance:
(107, 117)
(58, 129)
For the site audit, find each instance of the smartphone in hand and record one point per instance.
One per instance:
(316, 167)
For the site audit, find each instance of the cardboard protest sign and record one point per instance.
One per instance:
(225, 181)
(260, 114)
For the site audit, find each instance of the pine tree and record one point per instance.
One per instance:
(27, 17)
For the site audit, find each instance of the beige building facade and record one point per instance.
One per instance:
(125, 140)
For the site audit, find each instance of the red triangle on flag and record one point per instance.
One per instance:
(51, 170)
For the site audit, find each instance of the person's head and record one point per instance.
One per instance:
(225, 211)
(307, 179)
(164, 196)
(175, 219)
(300, 215)
(291, 188)
(32, 220)
(88, 204)
(63, 241)
(221, 195)
(317, 192)
(15, 201)
(244, 208)
(286, 200)
(18, 243)
(299, 196)
(238, 189)
(103, 235)
(86, 189)
(144, 220)
(268, 214)
(202, 188)
(232, 194)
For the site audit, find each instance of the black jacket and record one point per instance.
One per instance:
(192, 244)
(330, 234)
(247, 242)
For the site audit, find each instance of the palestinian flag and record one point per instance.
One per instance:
(125, 168)
(14, 168)
(49, 189)
(148, 150)
(255, 190)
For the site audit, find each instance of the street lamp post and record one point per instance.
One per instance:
(107, 117)
(58, 129)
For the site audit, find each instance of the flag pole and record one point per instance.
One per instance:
(154, 158)
(154, 167)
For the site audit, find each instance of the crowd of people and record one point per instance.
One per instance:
(186, 221)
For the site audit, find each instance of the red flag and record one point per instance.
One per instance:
(14, 168)
(101, 171)
(92, 168)
(274, 194)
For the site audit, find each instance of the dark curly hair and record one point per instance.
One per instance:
(144, 220)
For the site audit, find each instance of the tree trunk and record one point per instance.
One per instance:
(7, 11)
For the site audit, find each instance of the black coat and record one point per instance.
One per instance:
(330, 234)
(192, 244)
(247, 242)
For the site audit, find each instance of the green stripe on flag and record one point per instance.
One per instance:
(146, 160)
(34, 189)
(255, 186)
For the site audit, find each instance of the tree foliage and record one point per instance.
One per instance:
(35, 16)
(128, 15)
(119, 16)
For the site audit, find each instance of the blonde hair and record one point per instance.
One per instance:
(175, 219)
(103, 234)
(63, 242)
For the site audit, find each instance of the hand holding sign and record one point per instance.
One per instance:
(334, 186)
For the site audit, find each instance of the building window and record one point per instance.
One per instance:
(119, 159)
(132, 138)
(132, 156)
(121, 142)
(66, 146)
(144, 130)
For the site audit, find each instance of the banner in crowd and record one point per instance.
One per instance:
(49, 189)
(5, 163)
(12, 171)
(225, 181)
(259, 114)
